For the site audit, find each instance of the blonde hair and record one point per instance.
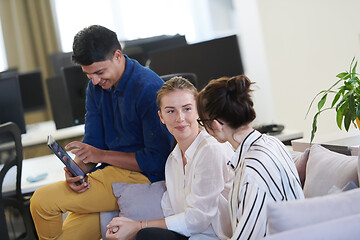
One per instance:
(175, 83)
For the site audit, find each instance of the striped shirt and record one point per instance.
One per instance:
(264, 172)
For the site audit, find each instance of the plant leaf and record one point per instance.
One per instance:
(352, 61)
(342, 102)
(336, 98)
(358, 111)
(322, 102)
(312, 101)
(341, 75)
(351, 81)
(351, 102)
(347, 76)
(347, 120)
(339, 118)
(314, 127)
(340, 112)
(354, 68)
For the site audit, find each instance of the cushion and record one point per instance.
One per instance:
(340, 228)
(326, 169)
(349, 186)
(140, 202)
(359, 165)
(105, 218)
(286, 215)
(300, 159)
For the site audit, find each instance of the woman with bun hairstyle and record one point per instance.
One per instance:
(264, 170)
(197, 178)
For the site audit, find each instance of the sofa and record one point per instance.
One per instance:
(330, 210)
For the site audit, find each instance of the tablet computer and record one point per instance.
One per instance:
(68, 161)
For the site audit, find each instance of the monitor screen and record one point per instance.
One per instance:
(76, 83)
(60, 60)
(60, 106)
(32, 91)
(8, 72)
(139, 49)
(11, 108)
(208, 60)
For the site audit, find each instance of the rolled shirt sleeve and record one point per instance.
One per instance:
(177, 223)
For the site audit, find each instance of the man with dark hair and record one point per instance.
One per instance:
(123, 139)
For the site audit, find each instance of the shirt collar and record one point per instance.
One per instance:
(244, 146)
(129, 65)
(190, 152)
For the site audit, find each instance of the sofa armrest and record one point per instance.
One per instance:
(340, 228)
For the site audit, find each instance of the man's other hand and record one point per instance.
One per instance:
(71, 181)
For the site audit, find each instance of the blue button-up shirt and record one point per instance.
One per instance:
(125, 119)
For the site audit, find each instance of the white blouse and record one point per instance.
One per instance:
(264, 172)
(195, 203)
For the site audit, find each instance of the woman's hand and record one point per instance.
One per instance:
(121, 228)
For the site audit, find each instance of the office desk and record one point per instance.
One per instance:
(35, 138)
(287, 135)
(340, 141)
(49, 164)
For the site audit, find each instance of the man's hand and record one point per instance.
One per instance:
(121, 228)
(71, 181)
(85, 152)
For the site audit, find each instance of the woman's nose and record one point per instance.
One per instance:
(180, 117)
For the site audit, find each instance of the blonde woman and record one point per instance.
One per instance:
(197, 178)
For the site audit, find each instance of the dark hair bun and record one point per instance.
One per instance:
(238, 88)
(227, 99)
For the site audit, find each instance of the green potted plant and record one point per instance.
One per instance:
(346, 100)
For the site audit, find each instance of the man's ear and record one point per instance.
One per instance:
(118, 55)
(160, 116)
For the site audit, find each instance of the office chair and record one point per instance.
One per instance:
(14, 200)
(189, 76)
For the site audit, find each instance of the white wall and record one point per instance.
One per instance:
(306, 44)
(252, 48)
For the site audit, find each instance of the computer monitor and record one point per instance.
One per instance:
(60, 106)
(11, 108)
(208, 60)
(32, 91)
(60, 60)
(8, 72)
(76, 83)
(139, 49)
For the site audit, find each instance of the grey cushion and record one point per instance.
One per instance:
(138, 201)
(105, 218)
(326, 169)
(300, 160)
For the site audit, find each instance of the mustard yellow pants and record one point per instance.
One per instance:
(48, 203)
